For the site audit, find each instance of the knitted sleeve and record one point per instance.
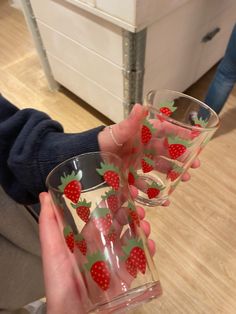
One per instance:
(31, 145)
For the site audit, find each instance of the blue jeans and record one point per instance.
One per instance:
(225, 77)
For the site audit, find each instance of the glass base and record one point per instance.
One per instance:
(130, 300)
(142, 197)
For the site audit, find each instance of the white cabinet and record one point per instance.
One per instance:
(212, 50)
(88, 63)
(110, 53)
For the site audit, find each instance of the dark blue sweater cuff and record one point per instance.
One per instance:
(49, 150)
(31, 145)
(57, 147)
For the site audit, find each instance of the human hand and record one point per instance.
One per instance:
(64, 293)
(125, 132)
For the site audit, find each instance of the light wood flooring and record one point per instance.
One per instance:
(196, 234)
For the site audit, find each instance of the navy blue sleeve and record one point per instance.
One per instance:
(31, 145)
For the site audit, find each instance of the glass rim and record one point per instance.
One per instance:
(74, 157)
(173, 121)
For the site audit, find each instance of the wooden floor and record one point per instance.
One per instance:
(196, 234)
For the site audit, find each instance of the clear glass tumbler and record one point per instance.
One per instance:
(101, 228)
(176, 129)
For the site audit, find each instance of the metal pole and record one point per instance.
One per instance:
(33, 27)
(134, 45)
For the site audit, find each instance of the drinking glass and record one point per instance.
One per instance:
(102, 232)
(176, 129)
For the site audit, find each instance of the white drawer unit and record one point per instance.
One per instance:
(83, 60)
(88, 90)
(111, 53)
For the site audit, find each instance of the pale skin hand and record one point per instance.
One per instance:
(64, 294)
(124, 133)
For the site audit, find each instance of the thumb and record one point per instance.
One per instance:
(122, 131)
(127, 128)
(59, 274)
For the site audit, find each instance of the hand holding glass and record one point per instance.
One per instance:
(101, 228)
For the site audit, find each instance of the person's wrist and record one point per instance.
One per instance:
(102, 139)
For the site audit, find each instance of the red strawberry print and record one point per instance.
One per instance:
(167, 108)
(177, 147)
(102, 219)
(147, 164)
(133, 213)
(80, 243)
(137, 256)
(83, 210)
(132, 176)
(175, 172)
(154, 189)
(69, 237)
(110, 174)
(147, 131)
(71, 186)
(112, 200)
(176, 150)
(166, 111)
(201, 123)
(131, 268)
(111, 236)
(98, 268)
(135, 253)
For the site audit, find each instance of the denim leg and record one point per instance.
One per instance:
(219, 91)
(225, 77)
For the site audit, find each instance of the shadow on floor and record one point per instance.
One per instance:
(199, 89)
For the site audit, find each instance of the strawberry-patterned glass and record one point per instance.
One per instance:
(174, 132)
(102, 233)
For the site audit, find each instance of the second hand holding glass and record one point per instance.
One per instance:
(101, 228)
